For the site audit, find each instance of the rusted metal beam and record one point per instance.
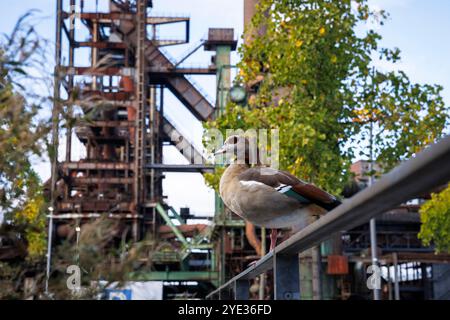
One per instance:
(164, 20)
(115, 71)
(109, 17)
(111, 71)
(93, 102)
(100, 180)
(83, 133)
(97, 165)
(113, 96)
(94, 205)
(100, 44)
(182, 167)
(69, 216)
(184, 89)
(191, 70)
(186, 148)
(89, 71)
(106, 123)
(168, 42)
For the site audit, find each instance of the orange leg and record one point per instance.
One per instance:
(273, 239)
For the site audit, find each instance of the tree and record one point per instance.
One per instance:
(22, 136)
(320, 87)
(435, 217)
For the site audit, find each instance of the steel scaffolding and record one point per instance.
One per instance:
(110, 78)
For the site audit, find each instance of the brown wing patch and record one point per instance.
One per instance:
(269, 177)
(314, 193)
(275, 178)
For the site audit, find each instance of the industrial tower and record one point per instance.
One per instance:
(114, 105)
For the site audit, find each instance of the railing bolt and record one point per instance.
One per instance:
(288, 295)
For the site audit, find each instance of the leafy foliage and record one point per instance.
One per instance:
(435, 217)
(22, 136)
(31, 218)
(314, 68)
(99, 257)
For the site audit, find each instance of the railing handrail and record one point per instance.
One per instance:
(429, 169)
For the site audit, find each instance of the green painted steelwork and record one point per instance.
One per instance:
(172, 226)
(230, 223)
(223, 77)
(187, 246)
(176, 215)
(306, 275)
(201, 246)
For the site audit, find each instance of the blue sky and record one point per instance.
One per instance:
(419, 28)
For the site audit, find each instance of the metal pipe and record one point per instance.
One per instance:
(373, 223)
(222, 256)
(70, 216)
(71, 64)
(389, 282)
(316, 273)
(94, 52)
(396, 279)
(49, 248)
(410, 179)
(154, 136)
(373, 250)
(55, 134)
(56, 98)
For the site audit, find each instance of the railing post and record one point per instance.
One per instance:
(241, 290)
(286, 277)
(225, 294)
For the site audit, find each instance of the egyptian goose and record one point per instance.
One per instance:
(268, 197)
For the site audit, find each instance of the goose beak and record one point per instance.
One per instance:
(222, 150)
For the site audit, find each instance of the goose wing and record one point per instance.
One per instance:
(291, 186)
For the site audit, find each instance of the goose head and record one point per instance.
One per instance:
(239, 147)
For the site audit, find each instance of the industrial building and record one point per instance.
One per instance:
(123, 127)
(118, 98)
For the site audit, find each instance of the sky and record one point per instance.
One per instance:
(419, 28)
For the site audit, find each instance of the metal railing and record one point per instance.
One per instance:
(429, 169)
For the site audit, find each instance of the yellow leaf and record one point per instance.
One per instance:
(305, 141)
(322, 31)
(333, 59)
(298, 43)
